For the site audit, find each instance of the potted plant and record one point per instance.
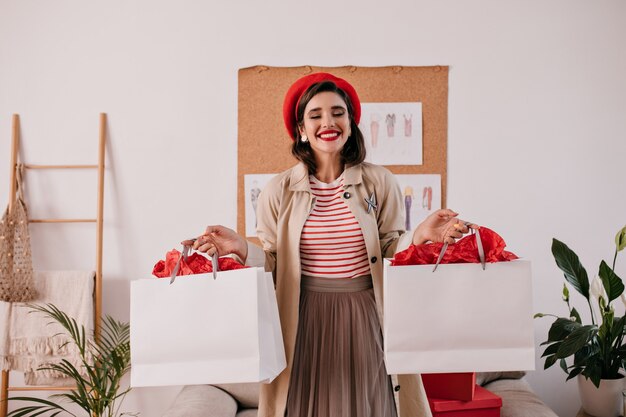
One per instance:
(596, 350)
(103, 364)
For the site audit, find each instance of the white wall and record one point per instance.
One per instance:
(536, 121)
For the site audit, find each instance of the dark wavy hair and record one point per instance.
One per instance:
(353, 152)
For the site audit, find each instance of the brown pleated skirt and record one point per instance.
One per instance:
(338, 368)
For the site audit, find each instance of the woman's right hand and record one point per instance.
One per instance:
(221, 240)
(443, 225)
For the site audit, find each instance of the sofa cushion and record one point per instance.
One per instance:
(202, 401)
(248, 412)
(518, 399)
(247, 395)
(483, 378)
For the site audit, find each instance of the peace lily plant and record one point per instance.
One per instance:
(596, 349)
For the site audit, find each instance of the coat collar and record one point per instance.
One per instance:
(299, 178)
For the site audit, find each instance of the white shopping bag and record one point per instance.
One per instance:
(459, 318)
(201, 330)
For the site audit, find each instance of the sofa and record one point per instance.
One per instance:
(241, 400)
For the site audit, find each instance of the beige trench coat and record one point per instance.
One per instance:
(283, 207)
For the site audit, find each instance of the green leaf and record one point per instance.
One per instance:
(576, 340)
(550, 360)
(613, 284)
(620, 239)
(574, 313)
(587, 354)
(551, 350)
(563, 365)
(45, 406)
(569, 263)
(538, 315)
(618, 328)
(573, 373)
(561, 328)
(593, 372)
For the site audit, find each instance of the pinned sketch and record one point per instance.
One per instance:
(421, 196)
(392, 133)
(253, 185)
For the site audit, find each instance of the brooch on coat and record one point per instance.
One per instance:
(371, 203)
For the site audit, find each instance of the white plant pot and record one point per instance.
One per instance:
(604, 401)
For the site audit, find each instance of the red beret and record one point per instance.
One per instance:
(295, 92)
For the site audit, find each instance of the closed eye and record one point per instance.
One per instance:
(335, 114)
(337, 111)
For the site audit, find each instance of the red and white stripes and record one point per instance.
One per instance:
(332, 243)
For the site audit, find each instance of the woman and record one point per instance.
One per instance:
(325, 226)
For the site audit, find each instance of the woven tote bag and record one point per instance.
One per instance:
(16, 266)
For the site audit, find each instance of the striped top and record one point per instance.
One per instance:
(332, 243)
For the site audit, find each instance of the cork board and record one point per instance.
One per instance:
(264, 147)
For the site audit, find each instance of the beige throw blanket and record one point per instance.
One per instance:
(29, 340)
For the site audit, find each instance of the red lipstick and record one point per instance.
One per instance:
(329, 135)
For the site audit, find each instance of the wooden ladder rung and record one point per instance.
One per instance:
(41, 388)
(62, 220)
(28, 166)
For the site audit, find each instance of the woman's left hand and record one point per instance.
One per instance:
(441, 226)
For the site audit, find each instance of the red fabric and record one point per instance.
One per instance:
(484, 404)
(463, 251)
(452, 386)
(298, 88)
(194, 264)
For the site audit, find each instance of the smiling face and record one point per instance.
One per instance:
(326, 123)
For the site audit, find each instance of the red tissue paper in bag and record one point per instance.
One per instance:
(194, 264)
(464, 250)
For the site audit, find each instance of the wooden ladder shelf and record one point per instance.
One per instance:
(5, 387)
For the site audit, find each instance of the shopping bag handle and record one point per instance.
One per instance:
(183, 255)
(186, 249)
(481, 250)
(479, 246)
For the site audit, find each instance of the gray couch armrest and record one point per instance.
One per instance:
(202, 401)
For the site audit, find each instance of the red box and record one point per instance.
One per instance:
(455, 386)
(484, 404)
